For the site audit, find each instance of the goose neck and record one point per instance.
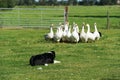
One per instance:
(96, 28)
(51, 30)
(83, 29)
(88, 28)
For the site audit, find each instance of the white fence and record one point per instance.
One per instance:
(30, 17)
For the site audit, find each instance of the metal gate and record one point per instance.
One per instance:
(30, 17)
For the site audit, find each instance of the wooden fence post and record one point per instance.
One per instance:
(66, 14)
(108, 21)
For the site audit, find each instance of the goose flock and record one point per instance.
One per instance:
(72, 34)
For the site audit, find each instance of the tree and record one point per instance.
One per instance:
(3, 3)
(21, 2)
(63, 2)
(28, 2)
(114, 2)
(7, 3)
(50, 2)
(75, 2)
(91, 2)
(85, 2)
(108, 2)
(88, 2)
(72, 2)
(42, 2)
(11, 3)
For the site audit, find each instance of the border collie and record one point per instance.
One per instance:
(42, 59)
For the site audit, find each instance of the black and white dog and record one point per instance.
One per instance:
(42, 59)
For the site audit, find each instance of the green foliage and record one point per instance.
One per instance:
(7, 3)
(80, 61)
(26, 2)
(21, 2)
(12, 3)
(108, 2)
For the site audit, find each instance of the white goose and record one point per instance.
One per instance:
(74, 36)
(96, 33)
(66, 26)
(76, 26)
(50, 35)
(58, 35)
(68, 34)
(83, 35)
(90, 36)
(65, 31)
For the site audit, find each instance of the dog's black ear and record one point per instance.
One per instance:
(53, 52)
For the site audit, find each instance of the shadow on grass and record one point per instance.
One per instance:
(95, 16)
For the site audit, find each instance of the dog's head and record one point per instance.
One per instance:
(53, 53)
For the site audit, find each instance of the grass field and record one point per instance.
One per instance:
(98, 14)
(80, 61)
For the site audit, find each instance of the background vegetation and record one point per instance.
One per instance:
(13, 3)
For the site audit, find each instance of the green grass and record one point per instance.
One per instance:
(81, 61)
(98, 14)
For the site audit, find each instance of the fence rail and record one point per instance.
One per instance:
(30, 17)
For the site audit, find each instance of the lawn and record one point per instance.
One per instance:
(80, 61)
(98, 14)
(99, 60)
